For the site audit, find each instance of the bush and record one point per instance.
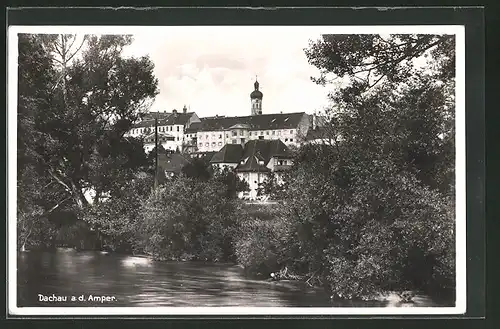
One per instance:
(260, 242)
(189, 219)
(117, 219)
(362, 227)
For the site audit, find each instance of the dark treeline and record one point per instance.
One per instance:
(370, 209)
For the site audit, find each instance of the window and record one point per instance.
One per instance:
(234, 141)
(261, 137)
(279, 133)
(274, 132)
(286, 139)
(220, 143)
(241, 132)
(177, 138)
(178, 128)
(206, 136)
(291, 140)
(291, 132)
(207, 144)
(220, 136)
(213, 143)
(262, 133)
(235, 133)
(267, 132)
(227, 136)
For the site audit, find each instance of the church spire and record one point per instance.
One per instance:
(256, 99)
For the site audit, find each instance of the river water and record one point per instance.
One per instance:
(137, 281)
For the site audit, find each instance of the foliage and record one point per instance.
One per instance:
(260, 239)
(188, 219)
(374, 210)
(77, 98)
(198, 168)
(231, 181)
(118, 218)
(92, 101)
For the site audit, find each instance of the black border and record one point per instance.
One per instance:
(472, 18)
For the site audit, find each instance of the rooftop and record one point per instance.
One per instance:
(230, 153)
(253, 122)
(164, 119)
(258, 153)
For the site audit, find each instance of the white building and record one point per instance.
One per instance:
(171, 126)
(215, 132)
(253, 162)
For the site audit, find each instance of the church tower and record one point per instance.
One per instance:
(256, 99)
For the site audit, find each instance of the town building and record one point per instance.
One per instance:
(190, 134)
(290, 128)
(253, 162)
(171, 129)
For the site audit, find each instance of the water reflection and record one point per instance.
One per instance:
(138, 281)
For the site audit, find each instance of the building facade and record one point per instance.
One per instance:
(253, 163)
(171, 126)
(189, 134)
(214, 133)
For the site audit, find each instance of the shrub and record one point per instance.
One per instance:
(260, 242)
(188, 218)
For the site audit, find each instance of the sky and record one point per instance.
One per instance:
(212, 71)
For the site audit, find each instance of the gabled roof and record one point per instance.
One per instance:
(254, 122)
(261, 150)
(172, 162)
(230, 153)
(240, 126)
(164, 119)
(253, 163)
(266, 149)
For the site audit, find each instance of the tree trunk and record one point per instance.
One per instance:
(78, 196)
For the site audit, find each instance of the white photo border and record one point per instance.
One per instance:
(460, 178)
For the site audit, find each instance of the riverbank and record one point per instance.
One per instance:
(144, 262)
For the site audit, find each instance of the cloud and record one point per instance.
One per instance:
(213, 73)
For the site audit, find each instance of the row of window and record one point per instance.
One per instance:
(254, 133)
(162, 139)
(161, 129)
(208, 144)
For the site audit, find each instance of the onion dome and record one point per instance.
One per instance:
(256, 93)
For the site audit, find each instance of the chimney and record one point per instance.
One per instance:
(184, 109)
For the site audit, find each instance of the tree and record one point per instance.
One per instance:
(77, 98)
(398, 94)
(118, 219)
(231, 182)
(189, 218)
(198, 168)
(97, 96)
(374, 209)
(36, 196)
